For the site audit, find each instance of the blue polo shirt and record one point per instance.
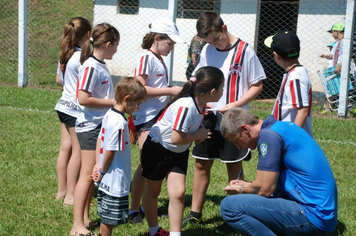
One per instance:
(305, 175)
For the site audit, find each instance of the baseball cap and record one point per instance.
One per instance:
(337, 27)
(285, 42)
(168, 27)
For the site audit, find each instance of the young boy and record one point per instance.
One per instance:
(294, 100)
(114, 175)
(243, 75)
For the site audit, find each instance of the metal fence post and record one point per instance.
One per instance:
(172, 13)
(346, 58)
(22, 67)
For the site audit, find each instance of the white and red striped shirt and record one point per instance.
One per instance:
(96, 79)
(241, 69)
(295, 92)
(152, 65)
(182, 115)
(115, 137)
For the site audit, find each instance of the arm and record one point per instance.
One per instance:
(85, 99)
(301, 117)
(95, 174)
(327, 56)
(108, 157)
(156, 92)
(180, 138)
(251, 94)
(264, 184)
(58, 80)
(338, 68)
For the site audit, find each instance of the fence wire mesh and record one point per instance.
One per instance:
(250, 20)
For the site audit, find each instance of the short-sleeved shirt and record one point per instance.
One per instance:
(96, 79)
(68, 101)
(182, 115)
(295, 92)
(153, 66)
(115, 136)
(238, 76)
(337, 51)
(305, 175)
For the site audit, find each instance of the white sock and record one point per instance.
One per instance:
(174, 233)
(153, 230)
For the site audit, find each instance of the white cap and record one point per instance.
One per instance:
(168, 27)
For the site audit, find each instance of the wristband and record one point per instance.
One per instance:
(240, 191)
(101, 172)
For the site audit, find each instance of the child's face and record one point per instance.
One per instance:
(165, 46)
(218, 93)
(112, 49)
(218, 40)
(335, 34)
(132, 106)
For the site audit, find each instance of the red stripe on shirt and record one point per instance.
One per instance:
(234, 77)
(179, 114)
(141, 66)
(292, 91)
(85, 77)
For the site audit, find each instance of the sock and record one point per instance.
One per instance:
(133, 211)
(153, 230)
(175, 233)
(196, 214)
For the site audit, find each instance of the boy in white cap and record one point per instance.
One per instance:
(153, 74)
(294, 100)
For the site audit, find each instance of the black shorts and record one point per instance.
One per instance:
(148, 125)
(66, 119)
(87, 140)
(157, 161)
(220, 148)
(113, 210)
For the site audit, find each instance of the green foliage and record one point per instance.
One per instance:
(29, 147)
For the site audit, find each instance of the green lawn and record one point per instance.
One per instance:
(28, 151)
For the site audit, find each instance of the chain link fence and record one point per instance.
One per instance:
(250, 20)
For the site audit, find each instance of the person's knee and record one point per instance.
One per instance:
(228, 208)
(178, 192)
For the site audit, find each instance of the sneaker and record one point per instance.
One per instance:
(160, 232)
(190, 220)
(224, 229)
(136, 217)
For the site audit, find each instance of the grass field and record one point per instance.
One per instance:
(29, 144)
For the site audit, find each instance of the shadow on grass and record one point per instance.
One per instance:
(340, 229)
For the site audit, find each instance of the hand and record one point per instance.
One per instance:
(203, 134)
(227, 107)
(95, 174)
(175, 90)
(234, 187)
(338, 70)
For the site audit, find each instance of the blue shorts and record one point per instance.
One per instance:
(113, 210)
(66, 119)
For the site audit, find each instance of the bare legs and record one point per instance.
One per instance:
(62, 162)
(138, 182)
(202, 179)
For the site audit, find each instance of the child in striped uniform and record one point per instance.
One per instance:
(294, 100)
(95, 96)
(114, 175)
(166, 150)
(152, 72)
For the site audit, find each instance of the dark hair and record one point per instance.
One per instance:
(74, 31)
(130, 86)
(208, 22)
(148, 39)
(103, 33)
(207, 79)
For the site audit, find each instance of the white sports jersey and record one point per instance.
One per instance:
(152, 65)
(96, 79)
(115, 137)
(241, 69)
(295, 92)
(182, 115)
(337, 51)
(68, 102)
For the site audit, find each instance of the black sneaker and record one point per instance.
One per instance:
(136, 217)
(224, 229)
(190, 220)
